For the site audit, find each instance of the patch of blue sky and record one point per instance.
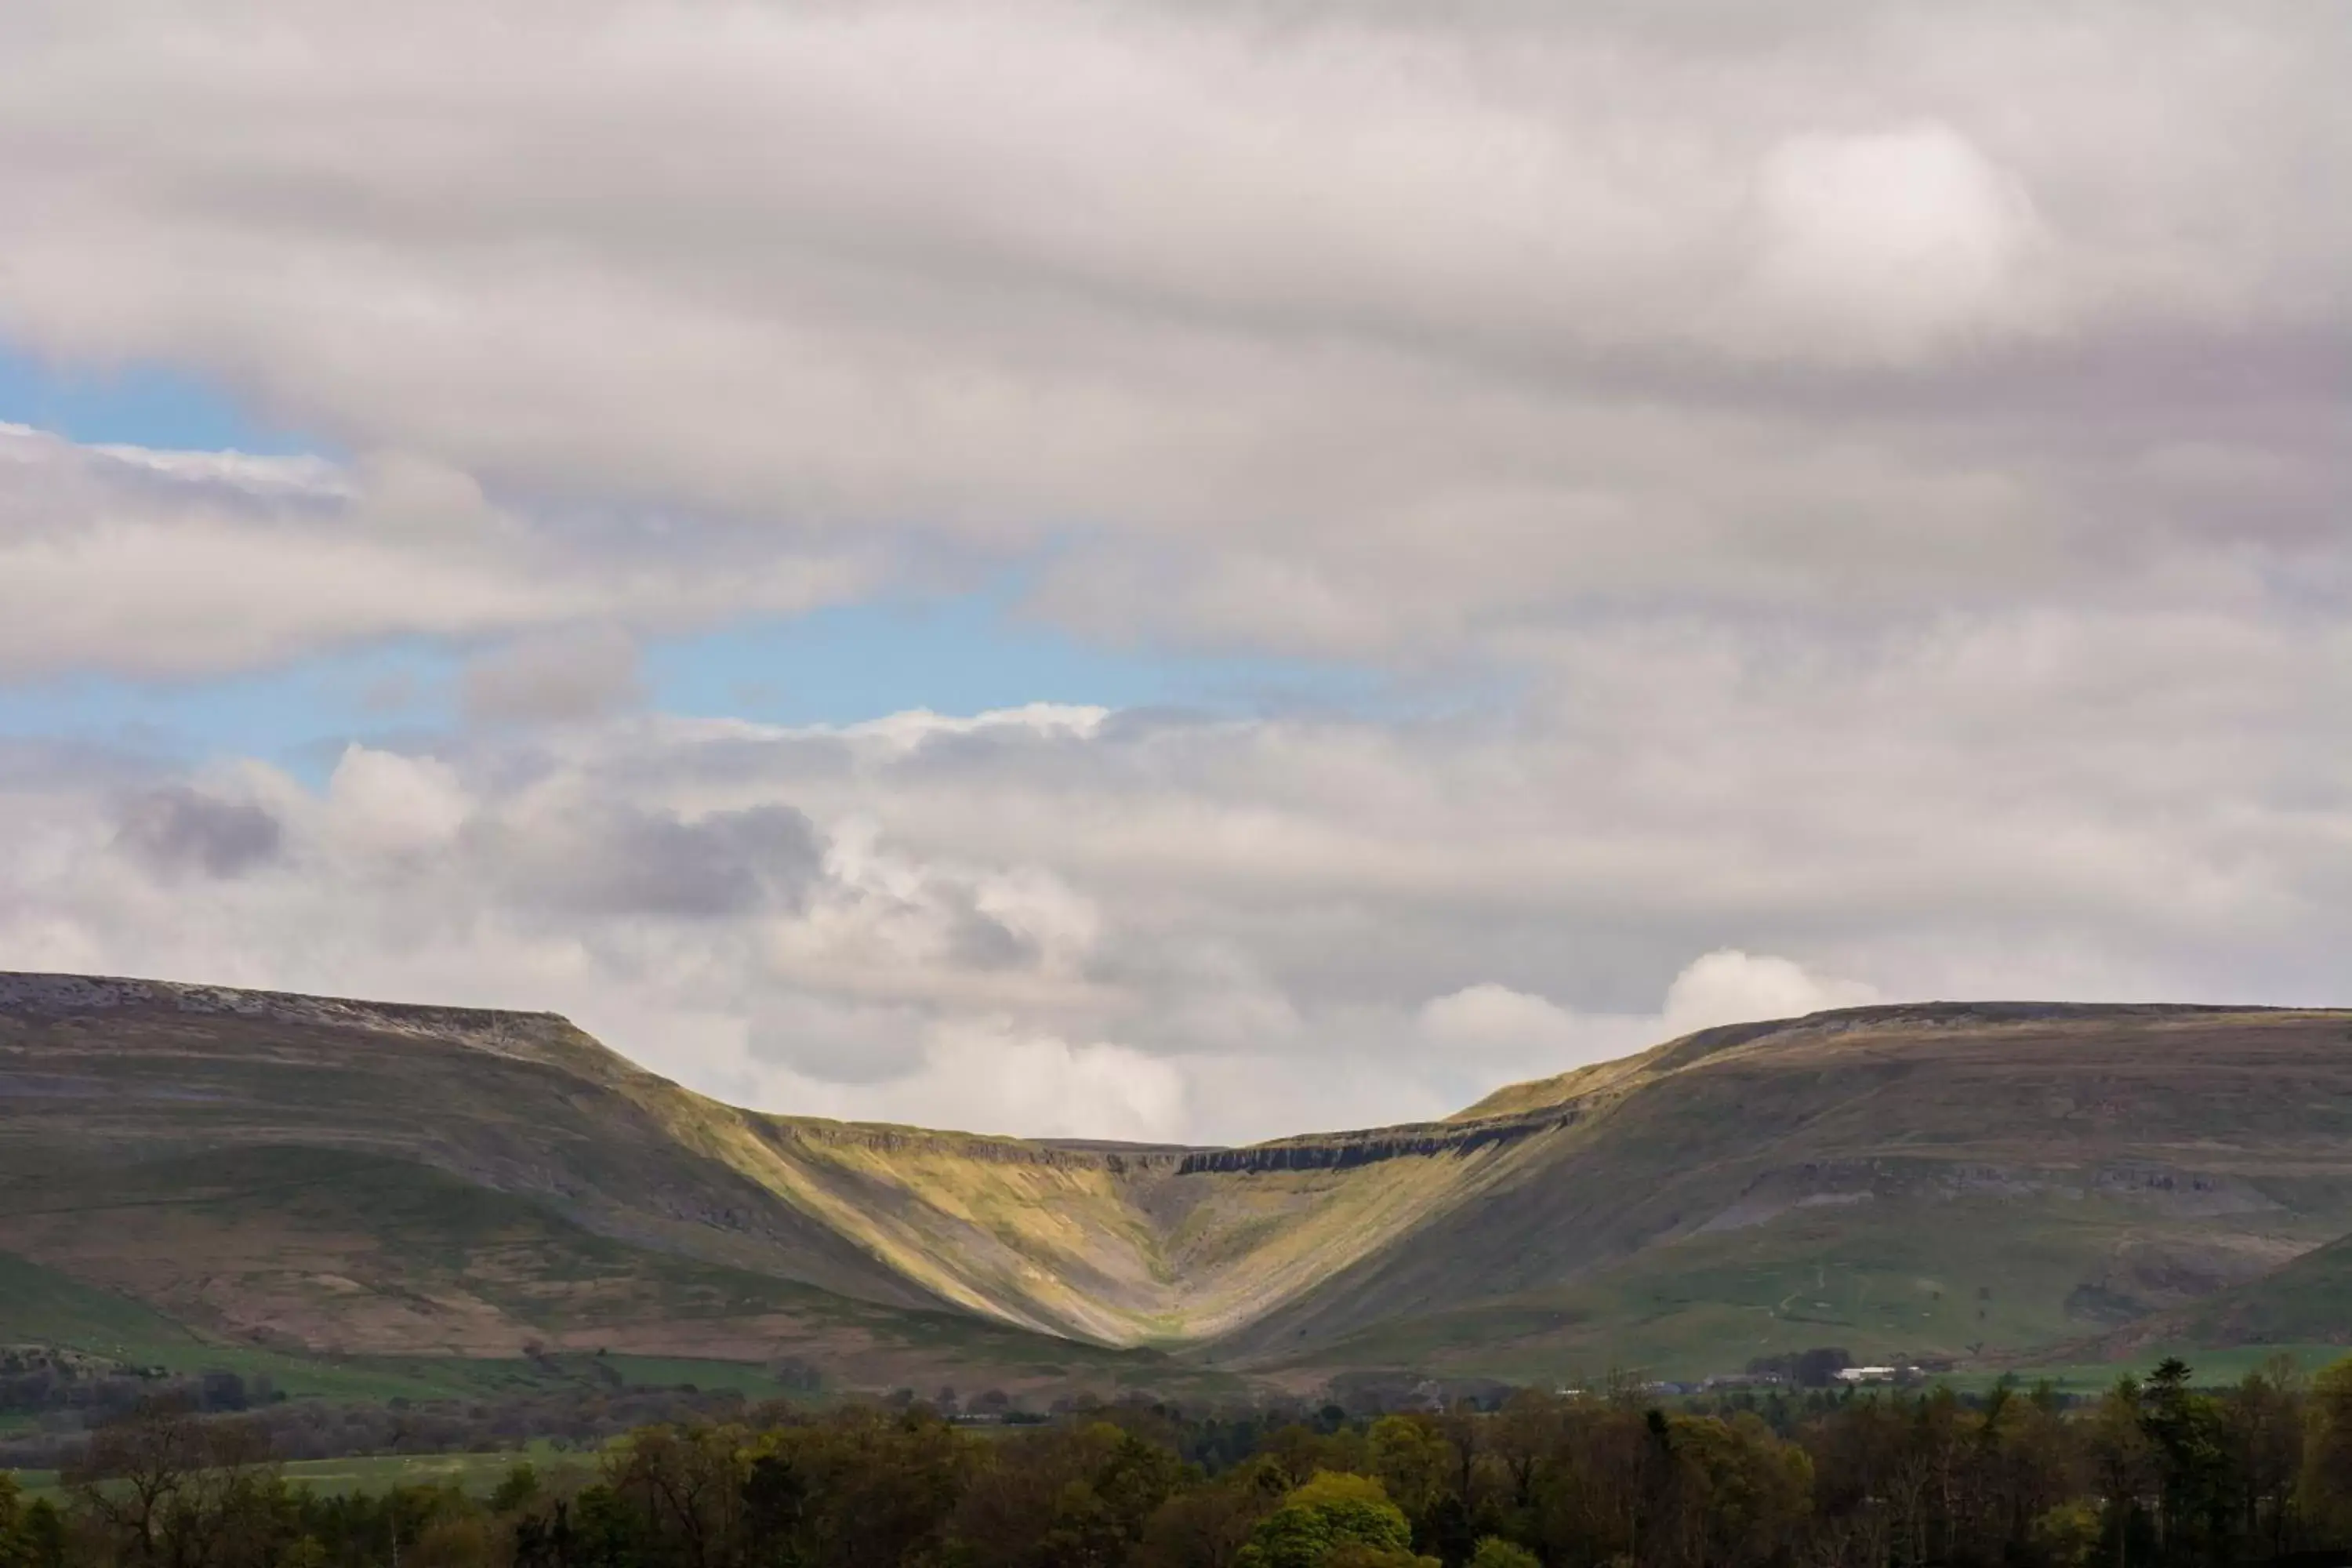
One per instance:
(964, 655)
(958, 654)
(298, 718)
(138, 405)
(836, 667)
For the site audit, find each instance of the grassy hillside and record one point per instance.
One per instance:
(364, 1276)
(94, 1074)
(2306, 1301)
(212, 1177)
(1147, 1245)
(99, 1080)
(305, 1178)
(1875, 1170)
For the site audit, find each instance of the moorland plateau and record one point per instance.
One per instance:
(186, 1171)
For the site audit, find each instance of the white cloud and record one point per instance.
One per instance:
(1728, 986)
(1904, 236)
(1486, 1016)
(908, 730)
(987, 1076)
(1524, 1035)
(381, 803)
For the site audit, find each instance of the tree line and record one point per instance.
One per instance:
(2155, 1473)
(332, 1429)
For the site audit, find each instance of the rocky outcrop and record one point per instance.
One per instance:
(1342, 1151)
(884, 1138)
(53, 996)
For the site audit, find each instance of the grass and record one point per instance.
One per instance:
(478, 1474)
(2212, 1368)
(2308, 1298)
(41, 1306)
(337, 1243)
(460, 1377)
(1926, 1278)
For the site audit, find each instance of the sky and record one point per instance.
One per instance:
(1176, 570)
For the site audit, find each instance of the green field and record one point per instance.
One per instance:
(41, 1307)
(478, 1474)
(1925, 1278)
(2212, 1368)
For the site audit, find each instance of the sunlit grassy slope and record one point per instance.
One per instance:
(302, 1176)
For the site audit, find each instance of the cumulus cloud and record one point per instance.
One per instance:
(1047, 1085)
(1491, 1034)
(1512, 1034)
(1728, 986)
(1486, 1015)
(381, 803)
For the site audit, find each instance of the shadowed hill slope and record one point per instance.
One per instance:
(1936, 1180)
(97, 1074)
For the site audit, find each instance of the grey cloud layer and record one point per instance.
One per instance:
(177, 828)
(1350, 330)
(1892, 459)
(177, 564)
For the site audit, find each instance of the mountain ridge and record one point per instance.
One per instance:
(2107, 1157)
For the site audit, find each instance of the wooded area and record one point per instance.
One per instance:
(2157, 1472)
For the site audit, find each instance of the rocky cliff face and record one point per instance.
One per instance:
(59, 996)
(64, 996)
(1346, 1151)
(886, 1138)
